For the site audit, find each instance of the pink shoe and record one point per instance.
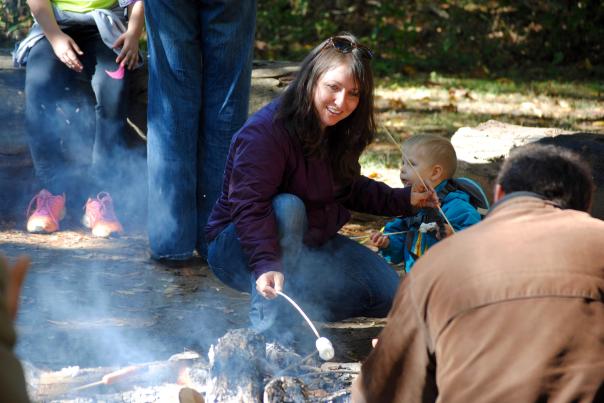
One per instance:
(100, 216)
(49, 211)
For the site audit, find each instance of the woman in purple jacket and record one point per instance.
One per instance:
(292, 173)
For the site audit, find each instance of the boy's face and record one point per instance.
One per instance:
(422, 165)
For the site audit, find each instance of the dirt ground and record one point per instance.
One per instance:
(99, 302)
(103, 302)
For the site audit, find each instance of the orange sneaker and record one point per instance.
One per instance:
(50, 209)
(100, 216)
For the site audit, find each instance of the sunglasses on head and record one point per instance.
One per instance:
(345, 45)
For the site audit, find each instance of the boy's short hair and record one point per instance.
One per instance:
(437, 150)
(555, 173)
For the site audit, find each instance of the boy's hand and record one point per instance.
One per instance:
(379, 240)
(128, 56)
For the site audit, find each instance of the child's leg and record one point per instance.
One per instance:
(48, 84)
(109, 152)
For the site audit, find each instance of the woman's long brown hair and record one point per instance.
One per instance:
(344, 142)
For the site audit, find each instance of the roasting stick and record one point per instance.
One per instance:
(112, 377)
(418, 175)
(386, 234)
(120, 374)
(323, 344)
(291, 301)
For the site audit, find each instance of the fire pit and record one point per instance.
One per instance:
(241, 367)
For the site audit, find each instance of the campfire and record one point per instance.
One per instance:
(241, 367)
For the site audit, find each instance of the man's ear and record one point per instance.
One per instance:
(15, 277)
(499, 193)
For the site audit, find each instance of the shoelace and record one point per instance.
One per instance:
(42, 204)
(105, 209)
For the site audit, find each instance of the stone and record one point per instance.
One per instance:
(482, 149)
(493, 140)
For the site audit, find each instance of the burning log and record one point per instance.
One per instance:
(285, 389)
(245, 369)
(237, 367)
(242, 368)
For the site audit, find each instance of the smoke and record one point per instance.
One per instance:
(106, 303)
(101, 308)
(67, 160)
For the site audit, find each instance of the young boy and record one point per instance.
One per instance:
(435, 160)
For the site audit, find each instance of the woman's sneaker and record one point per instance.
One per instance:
(100, 216)
(50, 209)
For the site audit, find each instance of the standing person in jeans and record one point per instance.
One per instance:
(72, 40)
(200, 59)
(292, 174)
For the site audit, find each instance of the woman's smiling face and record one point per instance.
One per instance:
(336, 95)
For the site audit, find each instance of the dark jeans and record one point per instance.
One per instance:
(70, 153)
(339, 280)
(200, 58)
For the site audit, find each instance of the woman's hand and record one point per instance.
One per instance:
(269, 283)
(422, 197)
(379, 240)
(128, 56)
(67, 50)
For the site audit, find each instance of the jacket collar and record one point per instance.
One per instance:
(521, 198)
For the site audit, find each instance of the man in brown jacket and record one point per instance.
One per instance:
(509, 310)
(12, 381)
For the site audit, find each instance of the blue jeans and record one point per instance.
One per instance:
(200, 59)
(58, 123)
(338, 280)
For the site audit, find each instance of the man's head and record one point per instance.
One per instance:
(555, 173)
(432, 156)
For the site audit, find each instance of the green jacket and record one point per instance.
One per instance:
(12, 380)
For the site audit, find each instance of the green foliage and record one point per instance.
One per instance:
(469, 37)
(15, 20)
(473, 38)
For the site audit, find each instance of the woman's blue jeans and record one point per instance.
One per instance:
(200, 60)
(338, 280)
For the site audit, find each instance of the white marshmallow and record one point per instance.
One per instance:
(325, 348)
(427, 227)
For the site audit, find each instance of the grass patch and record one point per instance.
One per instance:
(510, 83)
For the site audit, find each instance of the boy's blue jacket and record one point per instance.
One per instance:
(456, 206)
